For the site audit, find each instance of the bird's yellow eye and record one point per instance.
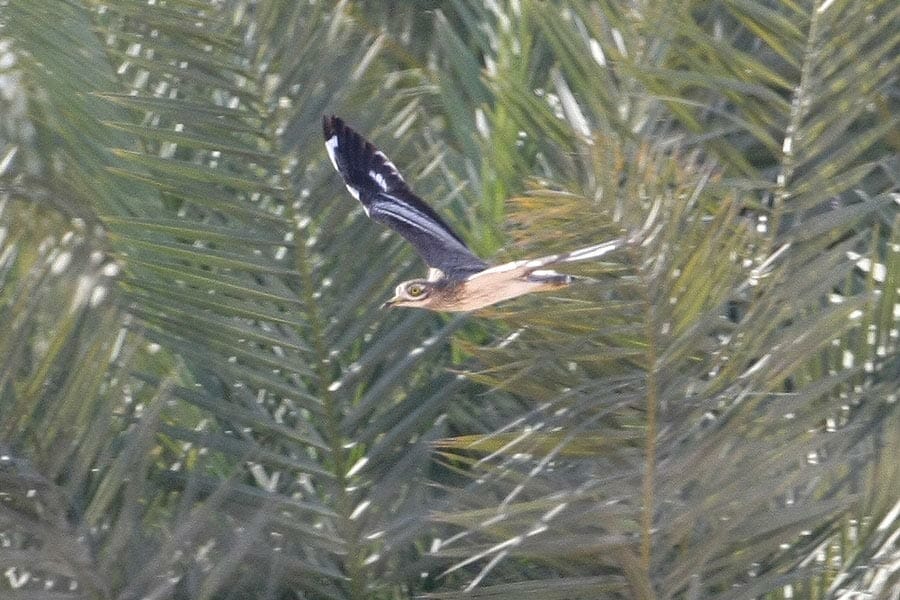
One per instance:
(415, 289)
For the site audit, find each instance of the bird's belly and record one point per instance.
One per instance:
(475, 294)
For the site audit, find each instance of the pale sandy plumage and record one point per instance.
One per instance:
(457, 279)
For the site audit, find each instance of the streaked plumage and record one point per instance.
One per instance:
(458, 280)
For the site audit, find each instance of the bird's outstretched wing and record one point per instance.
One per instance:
(535, 269)
(374, 180)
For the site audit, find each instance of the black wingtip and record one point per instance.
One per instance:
(330, 125)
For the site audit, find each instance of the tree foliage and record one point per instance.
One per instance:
(200, 398)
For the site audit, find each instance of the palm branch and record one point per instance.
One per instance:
(222, 410)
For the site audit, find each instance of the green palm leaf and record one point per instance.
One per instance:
(200, 398)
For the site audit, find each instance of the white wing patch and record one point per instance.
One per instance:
(510, 266)
(532, 266)
(586, 253)
(331, 145)
(545, 273)
(353, 192)
(593, 251)
(379, 180)
(389, 165)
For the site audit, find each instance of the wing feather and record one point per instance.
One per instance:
(373, 179)
(535, 266)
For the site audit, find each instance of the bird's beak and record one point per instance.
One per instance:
(389, 303)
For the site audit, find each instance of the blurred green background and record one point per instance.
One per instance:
(200, 398)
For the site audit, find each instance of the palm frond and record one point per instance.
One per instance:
(732, 342)
(203, 397)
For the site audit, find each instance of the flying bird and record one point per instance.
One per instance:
(457, 280)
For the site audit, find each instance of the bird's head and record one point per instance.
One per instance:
(416, 293)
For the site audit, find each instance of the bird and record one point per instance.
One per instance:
(457, 280)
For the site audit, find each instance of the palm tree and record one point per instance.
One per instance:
(201, 399)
